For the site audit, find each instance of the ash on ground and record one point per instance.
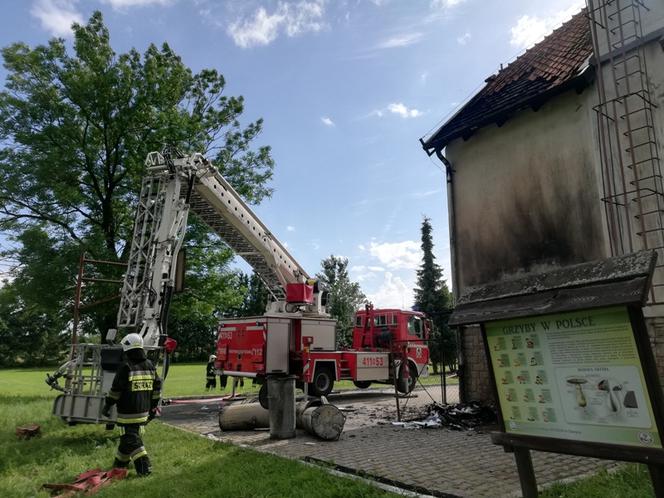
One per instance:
(459, 417)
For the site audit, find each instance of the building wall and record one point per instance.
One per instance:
(526, 194)
(528, 197)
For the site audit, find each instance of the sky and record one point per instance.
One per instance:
(346, 89)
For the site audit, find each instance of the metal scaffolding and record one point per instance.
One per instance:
(631, 171)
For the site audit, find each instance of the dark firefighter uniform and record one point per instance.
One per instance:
(210, 376)
(136, 390)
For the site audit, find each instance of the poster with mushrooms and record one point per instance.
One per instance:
(572, 376)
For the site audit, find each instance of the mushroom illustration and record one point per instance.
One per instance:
(577, 382)
(614, 402)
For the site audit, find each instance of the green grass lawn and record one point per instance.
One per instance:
(184, 464)
(189, 465)
(630, 481)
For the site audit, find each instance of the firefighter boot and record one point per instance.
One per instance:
(119, 464)
(142, 466)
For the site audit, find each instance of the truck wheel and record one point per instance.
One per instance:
(362, 384)
(405, 386)
(262, 397)
(323, 382)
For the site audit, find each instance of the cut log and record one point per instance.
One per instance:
(244, 416)
(321, 420)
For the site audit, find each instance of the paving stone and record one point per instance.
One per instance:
(458, 463)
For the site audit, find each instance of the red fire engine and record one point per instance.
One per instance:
(388, 344)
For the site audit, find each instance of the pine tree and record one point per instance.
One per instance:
(345, 297)
(433, 298)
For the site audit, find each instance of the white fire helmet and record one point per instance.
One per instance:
(132, 341)
(212, 357)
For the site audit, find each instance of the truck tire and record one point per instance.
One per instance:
(323, 382)
(405, 386)
(362, 384)
(262, 396)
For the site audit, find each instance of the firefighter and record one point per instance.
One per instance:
(211, 374)
(136, 390)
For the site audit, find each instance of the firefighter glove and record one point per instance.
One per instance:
(106, 411)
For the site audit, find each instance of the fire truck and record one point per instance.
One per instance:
(389, 346)
(295, 336)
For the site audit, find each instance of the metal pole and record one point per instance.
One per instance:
(77, 300)
(396, 391)
(443, 375)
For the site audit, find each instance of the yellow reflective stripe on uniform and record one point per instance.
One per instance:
(156, 395)
(122, 457)
(141, 377)
(114, 394)
(139, 455)
(135, 420)
(137, 451)
(141, 372)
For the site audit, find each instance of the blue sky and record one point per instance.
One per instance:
(346, 89)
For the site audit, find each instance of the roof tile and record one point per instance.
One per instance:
(546, 67)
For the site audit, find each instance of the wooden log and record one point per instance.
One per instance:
(321, 420)
(243, 416)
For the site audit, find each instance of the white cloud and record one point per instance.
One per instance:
(396, 108)
(122, 4)
(402, 40)
(57, 16)
(445, 4)
(529, 30)
(293, 19)
(403, 111)
(327, 121)
(464, 39)
(423, 77)
(397, 255)
(361, 273)
(290, 228)
(392, 293)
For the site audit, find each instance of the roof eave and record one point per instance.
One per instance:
(438, 142)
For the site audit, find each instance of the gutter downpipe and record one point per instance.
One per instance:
(449, 174)
(451, 213)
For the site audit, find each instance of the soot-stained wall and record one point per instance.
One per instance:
(526, 194)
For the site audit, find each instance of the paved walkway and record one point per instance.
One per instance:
(434, 461)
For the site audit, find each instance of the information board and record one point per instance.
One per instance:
(572, 376)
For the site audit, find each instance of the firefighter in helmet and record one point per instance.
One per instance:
(211, 374)
(136, 391)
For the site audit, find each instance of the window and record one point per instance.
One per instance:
(394, 319)
(358, 321)
(415, 326)
(380, 320)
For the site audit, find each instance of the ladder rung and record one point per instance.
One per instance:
(648, 142)
(647, 126)
(648, 213)
(652, 230)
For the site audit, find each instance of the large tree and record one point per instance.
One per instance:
(433, 298)
(345, 296)
(75, 128)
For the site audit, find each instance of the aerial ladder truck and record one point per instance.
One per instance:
(295, 336)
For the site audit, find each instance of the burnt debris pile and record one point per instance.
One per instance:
(459, 417)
